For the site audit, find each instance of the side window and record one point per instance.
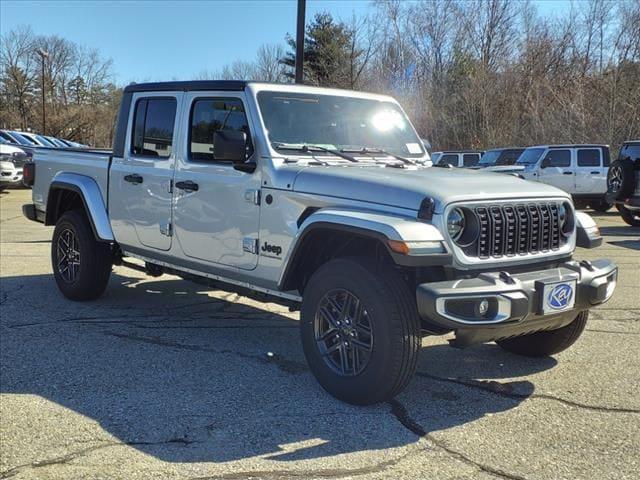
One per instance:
(589, 157)
(558, 158)
(631, 151)
(153, 123)
(470, 159)
(449, 159)
(209, 115)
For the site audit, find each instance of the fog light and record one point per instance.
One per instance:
(483, 307)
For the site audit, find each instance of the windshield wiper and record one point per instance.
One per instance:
(311, 148)
(369, 150)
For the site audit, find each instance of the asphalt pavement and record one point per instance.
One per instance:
(163, 379)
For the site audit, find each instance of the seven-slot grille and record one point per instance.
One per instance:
(508, 230)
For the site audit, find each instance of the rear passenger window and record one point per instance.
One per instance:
(470, 159)
(153, 127)
(209, 115)
(448, 160)
(558, 158)
(589, 157)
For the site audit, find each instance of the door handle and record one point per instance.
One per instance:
(567, 173)
(595, 173)
(133, 178)
(187, 185)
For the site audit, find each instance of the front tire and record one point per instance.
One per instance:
(81, 264)
(360, 330)
(549, 342)
(630, 217)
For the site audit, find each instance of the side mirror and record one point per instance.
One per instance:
(545, 163)
(231, 145)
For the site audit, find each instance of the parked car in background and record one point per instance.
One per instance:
(12, 159)
(580, 170)
(623, 183)
(56, 142)
(17, 139)
(498, 158)
(39, 140)
(457, 158)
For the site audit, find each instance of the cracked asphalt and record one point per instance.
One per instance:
(161, 378)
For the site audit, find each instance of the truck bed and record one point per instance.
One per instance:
(49, 162)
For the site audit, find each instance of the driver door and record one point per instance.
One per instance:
(556, 169)
(216, 207)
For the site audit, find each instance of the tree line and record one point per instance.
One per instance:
(80, 97)
(470, 74)
(483, 73)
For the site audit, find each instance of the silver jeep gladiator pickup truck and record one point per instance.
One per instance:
(318, 199)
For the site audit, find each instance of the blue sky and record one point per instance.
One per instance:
(165, 40)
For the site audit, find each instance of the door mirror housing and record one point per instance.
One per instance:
(545, 163)
(231, 145)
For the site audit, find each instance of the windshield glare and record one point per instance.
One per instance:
(337, 122)
(490, 157)
(530, 156)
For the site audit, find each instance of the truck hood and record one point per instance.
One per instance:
(406, 188)
(505, 168)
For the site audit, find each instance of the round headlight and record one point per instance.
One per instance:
(455, 224)
(565, 219)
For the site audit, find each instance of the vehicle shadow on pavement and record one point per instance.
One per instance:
(175, 373)
(619, 231)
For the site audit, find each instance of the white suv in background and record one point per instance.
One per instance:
(580, 170)
(457, 158)
(11, 161)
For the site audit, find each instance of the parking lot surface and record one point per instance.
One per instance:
(161, 378)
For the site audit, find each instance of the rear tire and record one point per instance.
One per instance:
(81, 264)
(380, 303)
(549, 342)
(630, 217)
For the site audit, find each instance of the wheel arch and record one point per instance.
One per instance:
(330, 233)
(68, 191)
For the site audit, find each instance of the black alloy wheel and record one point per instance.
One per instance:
(343, 332)
(68, 257)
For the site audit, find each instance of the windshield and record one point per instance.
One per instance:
(490, 157)
(530, 156)
(22, 140)
(337, 123)
(44, 141)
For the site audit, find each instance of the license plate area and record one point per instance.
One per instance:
(556, 296)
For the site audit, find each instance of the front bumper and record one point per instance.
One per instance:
(515, 304)
(11, 177)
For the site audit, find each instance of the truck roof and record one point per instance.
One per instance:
(240, 85)
(572, 145)
(186, 86)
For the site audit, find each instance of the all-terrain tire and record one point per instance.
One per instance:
(630, 217)
(81, 264)
(621, 179)
(389, 308)
(549, 342)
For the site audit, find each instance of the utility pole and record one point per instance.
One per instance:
(300, 41)
(43, 55)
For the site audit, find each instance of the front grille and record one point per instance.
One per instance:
(520, 229)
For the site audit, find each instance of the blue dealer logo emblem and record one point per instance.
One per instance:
(560, 296)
